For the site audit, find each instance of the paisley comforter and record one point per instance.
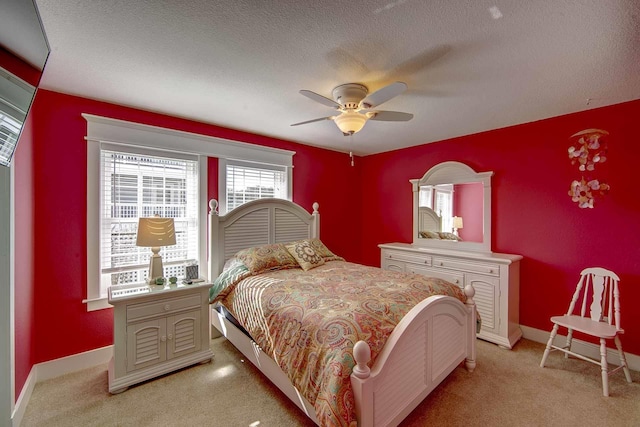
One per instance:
(308, 322)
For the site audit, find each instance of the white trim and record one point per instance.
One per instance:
(202, 217)
(104, 129)
(7, 348)
(582, 347)
(93, 228)
(25, 396)
(75, 362)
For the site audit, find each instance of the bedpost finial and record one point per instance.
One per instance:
(362, 355)
(469, 292)
(315, 207)
(213, 206)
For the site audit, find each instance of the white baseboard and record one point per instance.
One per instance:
(23, 399)
(54, 368)
(582, 347)
(75, 362)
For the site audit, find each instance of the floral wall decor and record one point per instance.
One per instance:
(588, 150)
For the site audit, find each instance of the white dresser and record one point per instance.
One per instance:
(495, 278)
(157, 329)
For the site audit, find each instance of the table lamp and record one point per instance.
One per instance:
(457, 224)
(154, 233)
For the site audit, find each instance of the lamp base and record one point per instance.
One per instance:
(155, 266)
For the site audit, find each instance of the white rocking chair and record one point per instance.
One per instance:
(602, 320)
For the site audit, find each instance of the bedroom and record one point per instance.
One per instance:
(532, 214)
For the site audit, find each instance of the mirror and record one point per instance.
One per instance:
(23, 53)
(452, 208)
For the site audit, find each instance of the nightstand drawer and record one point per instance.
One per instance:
(483, 268)
(401, 256)
(167, 306)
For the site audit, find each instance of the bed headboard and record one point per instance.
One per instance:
(255, 223)
(429, 220)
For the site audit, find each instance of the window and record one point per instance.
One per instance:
(155, 170)
(144, 185)
(9, 131)
(243, 182)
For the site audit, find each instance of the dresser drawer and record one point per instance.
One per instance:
(401, 256)
(470, 266)
(166, 306)
(450, 276)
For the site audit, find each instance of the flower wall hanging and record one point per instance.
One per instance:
(588, 149)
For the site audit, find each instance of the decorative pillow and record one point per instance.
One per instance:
(430, 235)
(267, 257)
(321, 249)
(227, 278)
(305, 255)
(448, 236)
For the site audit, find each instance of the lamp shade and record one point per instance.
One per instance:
(457, 222)
(155, 232)
(350, 122)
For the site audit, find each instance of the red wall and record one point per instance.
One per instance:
(24, 310)
(467, 198)
(531, 212)
(52, 182)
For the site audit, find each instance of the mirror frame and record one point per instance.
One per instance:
(454, 173)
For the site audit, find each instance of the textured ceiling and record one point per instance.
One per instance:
(240, 63)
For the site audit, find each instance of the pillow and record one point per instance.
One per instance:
(305, 255)
(448, 236)
(228, 277)
(266, 258)
(321, 249)
(429, 235)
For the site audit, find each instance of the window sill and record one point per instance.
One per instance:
(97, 304)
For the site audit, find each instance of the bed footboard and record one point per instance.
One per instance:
(430, 342)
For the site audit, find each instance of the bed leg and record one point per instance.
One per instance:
(470, 361)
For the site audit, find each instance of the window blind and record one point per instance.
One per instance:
(143, 185)
(9, 131)
(247, 182)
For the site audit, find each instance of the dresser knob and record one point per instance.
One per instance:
(170, 337)
(441, 264)
(167, 307)
(491, 270)
(163, 338)
(457, 281)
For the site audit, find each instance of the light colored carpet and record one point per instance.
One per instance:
(508, 388)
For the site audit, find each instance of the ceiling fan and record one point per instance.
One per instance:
(354, 104)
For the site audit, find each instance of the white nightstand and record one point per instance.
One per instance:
(157, 329)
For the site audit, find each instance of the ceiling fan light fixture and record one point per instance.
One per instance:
(350, 122)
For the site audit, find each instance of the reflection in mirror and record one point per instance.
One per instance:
(23, 53)
(452, 208)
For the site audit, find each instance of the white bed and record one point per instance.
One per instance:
(434, 338)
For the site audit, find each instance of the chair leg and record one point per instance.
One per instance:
(605, 367)
(568, 345)
(554, 331)
(623, 359)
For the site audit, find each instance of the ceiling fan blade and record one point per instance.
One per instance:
(383, 95)
(390, 116)
(314, 120)
(319, 98)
